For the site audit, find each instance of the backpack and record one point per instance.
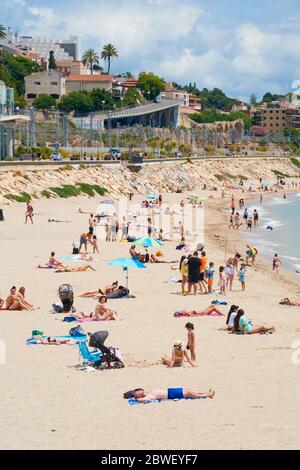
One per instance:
(65, 292)
(77, 331)
(75, 250)
(57, 308)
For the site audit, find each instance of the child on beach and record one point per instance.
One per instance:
(242, 275)
(95, 244)
(209, 275)
(222, 280)
(191, 341)
(184, 271)
(276, 263)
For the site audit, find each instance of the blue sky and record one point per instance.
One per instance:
(241, 47)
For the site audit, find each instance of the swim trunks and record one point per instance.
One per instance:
(175, 393)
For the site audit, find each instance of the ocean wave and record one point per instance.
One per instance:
(292, 258)
(271, 223)
(279, 201)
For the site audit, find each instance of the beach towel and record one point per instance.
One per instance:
(45, 266)
(32, 341)
(133, 401)
(184, 313)
(77, 320)
(218, 302)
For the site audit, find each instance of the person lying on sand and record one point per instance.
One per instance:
(287, 301)
(78, 269)
(107, 289)
(15, 301)
(170, 394)
(178, 355)
(53, 341)
(243, 325)
(101, 312)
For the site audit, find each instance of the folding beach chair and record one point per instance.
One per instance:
(90, 358)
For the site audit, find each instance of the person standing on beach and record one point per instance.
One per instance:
(249, 224)
(209, 275)
(242, 274)
(194, 265)
(222, 280)
(255, 218)
(202, 281)
(29, 213)
(232, 205)
(231, 266)
(276, 263)
(191, 343)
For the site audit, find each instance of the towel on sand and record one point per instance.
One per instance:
(133, 401)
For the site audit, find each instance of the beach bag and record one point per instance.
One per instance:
(65, 292)
(69, 319)
(75, 250)
(57, 308)
(77, 331)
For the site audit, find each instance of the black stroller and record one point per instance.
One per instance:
(66, 295)
(110, 357)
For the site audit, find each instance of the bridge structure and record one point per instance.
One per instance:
(165, 113)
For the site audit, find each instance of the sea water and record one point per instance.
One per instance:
(283, 215)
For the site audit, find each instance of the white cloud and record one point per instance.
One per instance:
(175, 38)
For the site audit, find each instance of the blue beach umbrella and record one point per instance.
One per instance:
(148, 242)
(127, 263)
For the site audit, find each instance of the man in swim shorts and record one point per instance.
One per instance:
(170, 394)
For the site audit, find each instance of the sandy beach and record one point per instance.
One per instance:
(49, 404)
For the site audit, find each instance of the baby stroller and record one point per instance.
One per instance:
(66, 295)
(110, 357)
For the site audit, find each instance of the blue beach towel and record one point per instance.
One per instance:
(32, 341)
(133, 401)
(218, 302)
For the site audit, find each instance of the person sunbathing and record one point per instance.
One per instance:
(109, 288)
(53, 341)
(178, 355)
(53, 262)
(101, 312)
(287, 301)
(78, 269)
(139, 256)
(21, 295)
(15, 302)
(167, 394)
(207, 311)
(244, 326)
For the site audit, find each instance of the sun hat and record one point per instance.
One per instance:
(178, 344)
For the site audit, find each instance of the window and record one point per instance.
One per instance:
(54, 83)
(37, 83)
(31, 96)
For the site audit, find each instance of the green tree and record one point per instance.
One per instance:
(97, 96)
(267, 98)
(44, 102)
(51, 61)
(151, 85)
(14, 69)
(78, 101)
(253, 99)
(2, 32)
(90, 58)
(109, 51)
(133, 97)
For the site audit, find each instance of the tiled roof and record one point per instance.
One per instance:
(89, 78)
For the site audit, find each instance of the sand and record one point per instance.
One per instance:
(48, 404)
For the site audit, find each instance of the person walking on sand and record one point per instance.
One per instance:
(232, 205)
(191, 342)
(276, 263)
(29, 213)
(255, 218)
(95, 244)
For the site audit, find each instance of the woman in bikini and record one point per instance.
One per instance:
(79, 269)
(101, 312)
(178, 355)
(14, 302)
(109, 288)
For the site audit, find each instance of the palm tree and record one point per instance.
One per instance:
(109, 51)
(90, 58)
(2, 32)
